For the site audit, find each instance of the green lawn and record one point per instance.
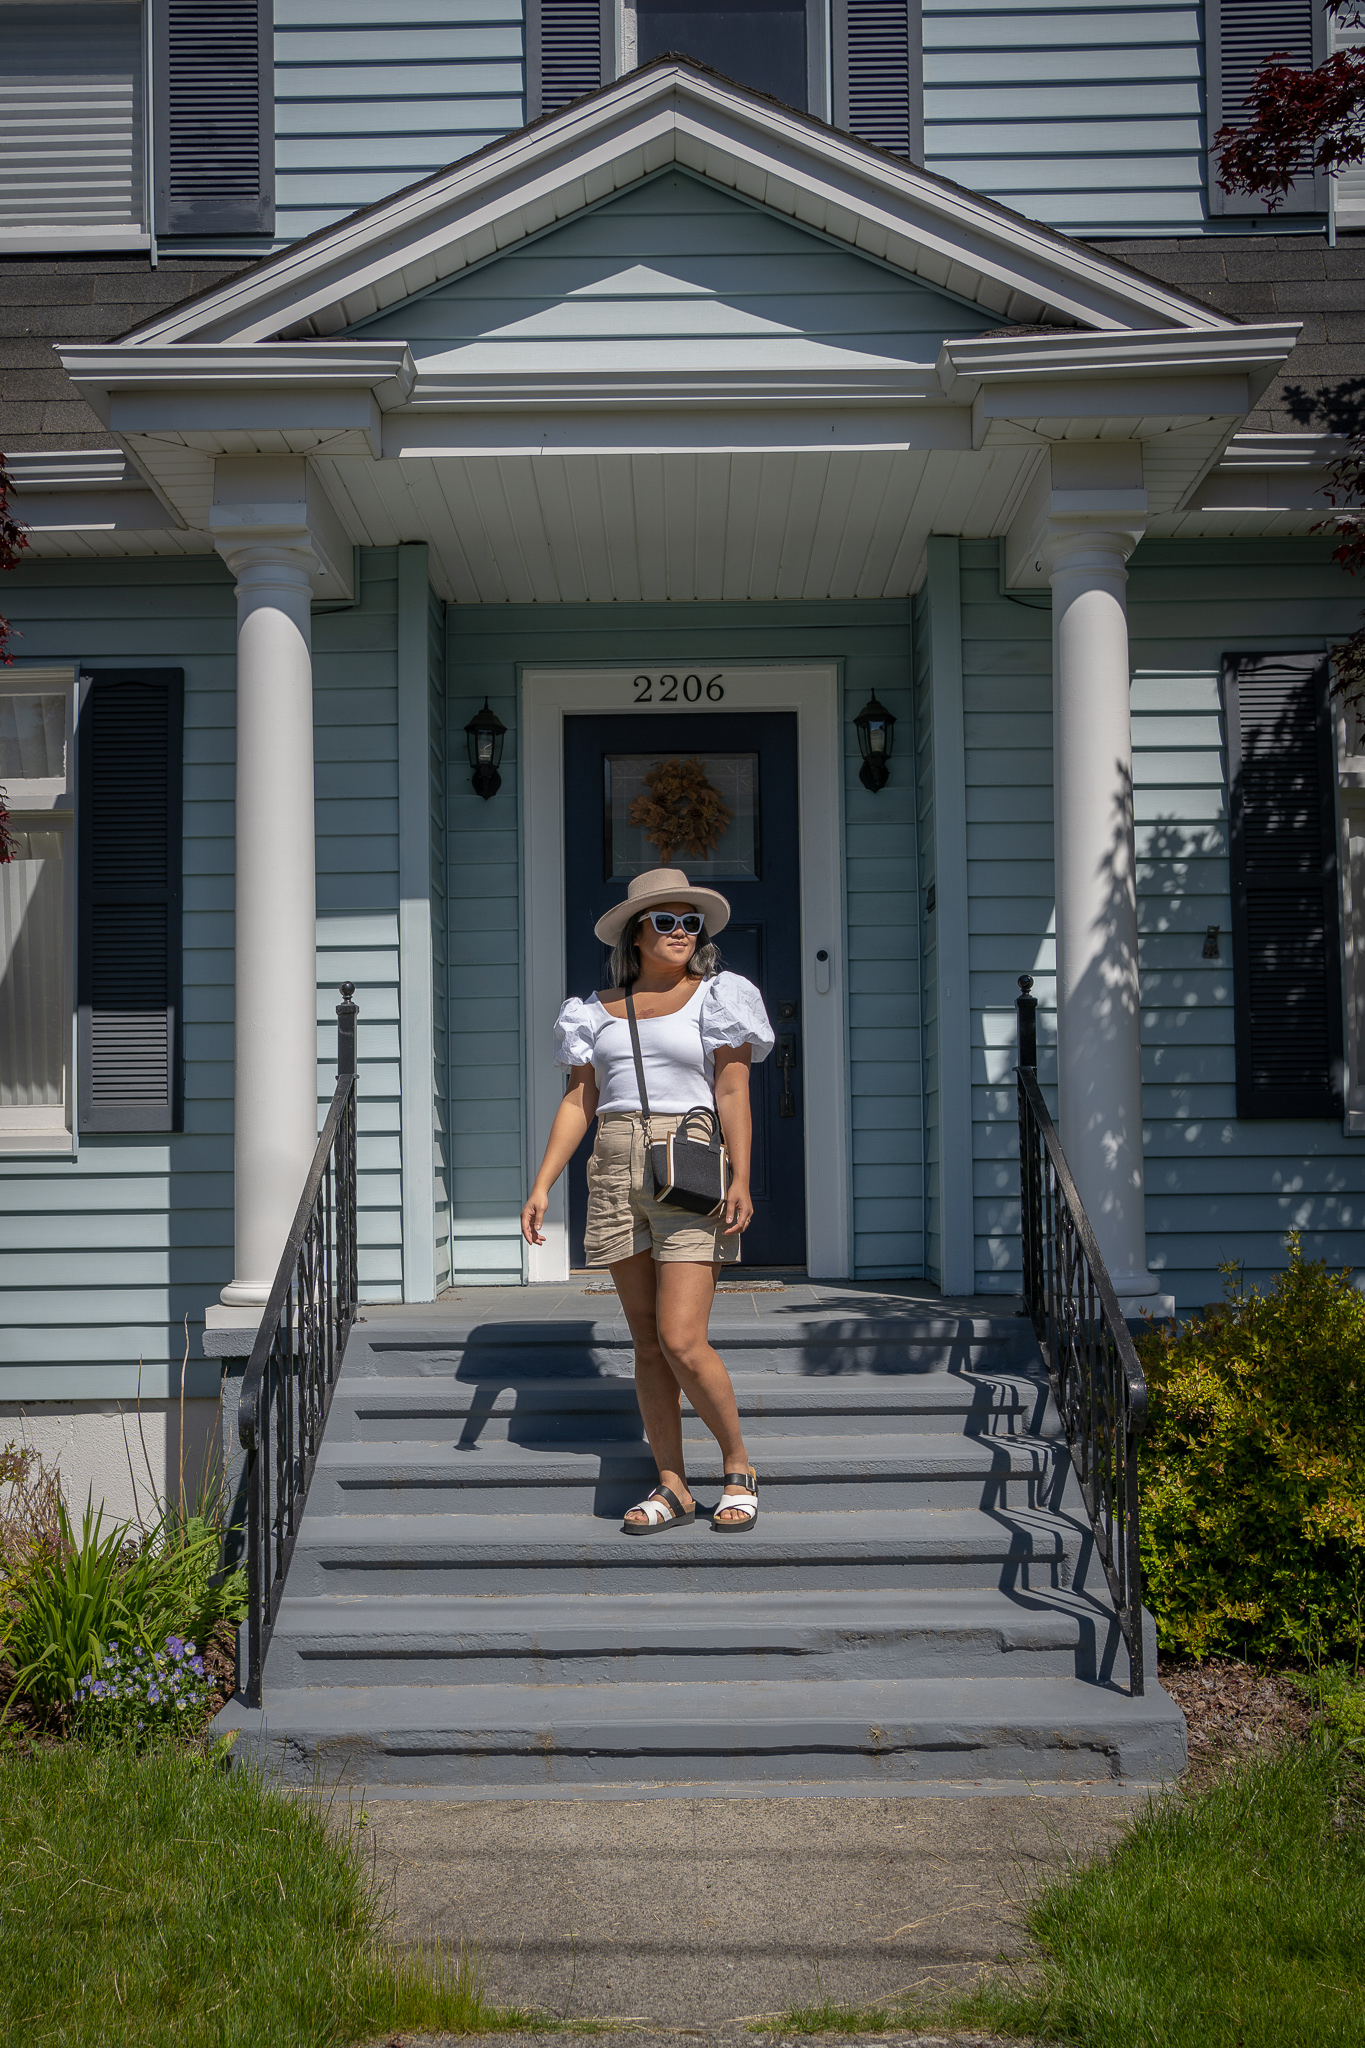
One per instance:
(1232, 1919)
(157, 1900)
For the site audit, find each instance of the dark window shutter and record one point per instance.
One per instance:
(1285, 929)
(879, 73)
(1239, 36)
(214, 150)
(128, 916)
(569, 45)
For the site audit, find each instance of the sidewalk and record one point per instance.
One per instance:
(695, 1913)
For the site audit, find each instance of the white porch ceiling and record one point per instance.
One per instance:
(550, 529)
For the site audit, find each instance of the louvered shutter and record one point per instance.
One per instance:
(569, 51)
(879, 73)
(214, 155)
(1240, 35)
(1285, 929)
(128, 916)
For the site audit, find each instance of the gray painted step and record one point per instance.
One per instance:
(803, 1345)
(891, 1470)
(538, 1639)
(920, 1599)
(888, 1731)
(490, 1553)
(394, 1409)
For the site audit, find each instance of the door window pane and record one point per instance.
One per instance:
(32, 736)
(692, 811)
(34, 1019)
(759, 43)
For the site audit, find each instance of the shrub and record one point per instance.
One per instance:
(1252, 1471)
(72, 1597)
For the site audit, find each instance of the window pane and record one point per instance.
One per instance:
(760, 43)
(34, 1023)
(693, 811)
(32, 736)
(70, 112)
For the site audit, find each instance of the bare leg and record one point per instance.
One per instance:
(684, 1294)
(656, 1387)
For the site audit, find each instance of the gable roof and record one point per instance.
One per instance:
(677, 113)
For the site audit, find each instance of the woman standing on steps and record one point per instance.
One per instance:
(699, 1027)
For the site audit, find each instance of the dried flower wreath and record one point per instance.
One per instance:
(684, 812)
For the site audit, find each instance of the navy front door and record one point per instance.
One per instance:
(612, 790)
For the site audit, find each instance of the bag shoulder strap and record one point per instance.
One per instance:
(639, 1063)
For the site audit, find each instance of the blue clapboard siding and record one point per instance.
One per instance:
(440, 966)
(368, 100)
(355, 719)
(102, 1259)
(1217, 1188)
(922, 737)
(1087, 117)
(673, 264)
(487, 1126)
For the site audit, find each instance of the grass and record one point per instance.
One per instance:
(158, 1899)
(1231, 1919)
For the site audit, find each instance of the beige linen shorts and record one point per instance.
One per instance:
(624, 1217)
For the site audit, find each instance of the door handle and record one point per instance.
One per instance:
(786, 1059)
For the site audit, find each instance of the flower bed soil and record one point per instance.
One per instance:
(1233, 1710)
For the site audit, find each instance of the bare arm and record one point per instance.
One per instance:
(732, 1107)
(570, 1127)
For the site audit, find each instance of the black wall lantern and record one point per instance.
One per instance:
(875, 725)
(484, 736)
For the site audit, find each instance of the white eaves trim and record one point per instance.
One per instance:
(964, 367)
(670, 115)
(384, 368)
(72, 469)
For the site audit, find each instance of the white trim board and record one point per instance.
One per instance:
(548, 696)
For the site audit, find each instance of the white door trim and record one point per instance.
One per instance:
(812, 691)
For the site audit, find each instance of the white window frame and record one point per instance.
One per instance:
(46, 803)
(58, 239)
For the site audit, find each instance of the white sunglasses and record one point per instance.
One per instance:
(665, 921)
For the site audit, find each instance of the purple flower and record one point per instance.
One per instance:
(197, 1666)
(175, 1646)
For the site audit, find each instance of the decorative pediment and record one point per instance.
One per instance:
(671, 115)
(671, 276)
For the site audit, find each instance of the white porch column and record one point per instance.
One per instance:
(275, 1045)
(1099, 1049)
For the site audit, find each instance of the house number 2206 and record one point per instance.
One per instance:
(677, 690)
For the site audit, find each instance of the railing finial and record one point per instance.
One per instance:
(347, 1011)
(1026, 1005)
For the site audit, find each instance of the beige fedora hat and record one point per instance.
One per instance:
(663, 885)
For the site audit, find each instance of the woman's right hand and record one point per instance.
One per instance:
(533, 1215)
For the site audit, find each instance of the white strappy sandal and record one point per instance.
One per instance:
(746, 1502)
(664, 1511)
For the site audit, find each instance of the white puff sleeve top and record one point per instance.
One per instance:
(678, 1051)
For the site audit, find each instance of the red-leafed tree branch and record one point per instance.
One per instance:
(1297, 122)
(1302, 121)
(13, 541)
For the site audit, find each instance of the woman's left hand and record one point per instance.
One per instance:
(739, 1208)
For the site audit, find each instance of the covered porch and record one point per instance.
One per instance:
(677, 355)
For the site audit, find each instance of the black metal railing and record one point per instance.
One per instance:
(1097, 1382)
(294, 1362)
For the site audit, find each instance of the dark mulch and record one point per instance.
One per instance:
(1233, 1710)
